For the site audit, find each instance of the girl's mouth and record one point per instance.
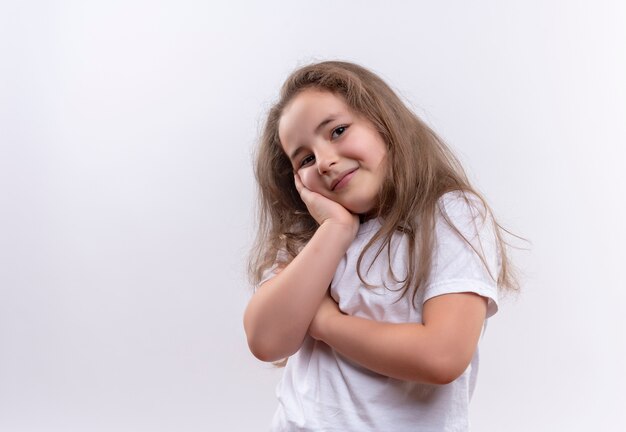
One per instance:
(343, 180)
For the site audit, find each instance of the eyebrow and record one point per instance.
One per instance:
(324, 122)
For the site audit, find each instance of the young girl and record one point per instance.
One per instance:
(376, 262)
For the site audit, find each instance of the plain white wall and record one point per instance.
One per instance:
(126, 197)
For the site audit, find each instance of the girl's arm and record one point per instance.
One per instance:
(278, 315)
(435, 352)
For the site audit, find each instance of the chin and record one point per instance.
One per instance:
(360, 209)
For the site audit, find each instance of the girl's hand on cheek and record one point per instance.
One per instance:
(325, 210)
(323, 318)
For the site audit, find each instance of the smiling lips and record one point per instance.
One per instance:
(342, 179)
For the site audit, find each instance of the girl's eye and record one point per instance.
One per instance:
(307, 160)
(337, 132)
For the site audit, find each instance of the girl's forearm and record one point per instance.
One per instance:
(403, 351)
(277, 317)
(435, 352)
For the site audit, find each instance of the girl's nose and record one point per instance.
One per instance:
(326, 157)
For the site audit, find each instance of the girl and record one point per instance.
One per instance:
(376, 263)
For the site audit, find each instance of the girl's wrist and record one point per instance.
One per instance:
(342, 231)
(322, 329)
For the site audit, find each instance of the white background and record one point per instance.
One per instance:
(126, 197)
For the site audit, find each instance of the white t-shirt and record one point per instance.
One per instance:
(323, 391)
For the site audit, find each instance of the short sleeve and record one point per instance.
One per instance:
(456, 266)
(272, 271)
(267, 275)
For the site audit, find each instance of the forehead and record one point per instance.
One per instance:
(306, 110)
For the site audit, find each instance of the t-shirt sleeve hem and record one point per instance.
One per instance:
(466, 285)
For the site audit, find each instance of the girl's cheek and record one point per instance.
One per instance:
(311, 181)
(306, 178)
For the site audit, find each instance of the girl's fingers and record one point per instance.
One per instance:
(305, 194)
(299, 186)
(298, 182)
(320, 207)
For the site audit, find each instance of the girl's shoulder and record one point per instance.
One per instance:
(464, 212)
(463, 204)
(461, 197)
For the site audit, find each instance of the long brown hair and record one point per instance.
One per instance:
(421, 168)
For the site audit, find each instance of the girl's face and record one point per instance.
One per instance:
(336, 152)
